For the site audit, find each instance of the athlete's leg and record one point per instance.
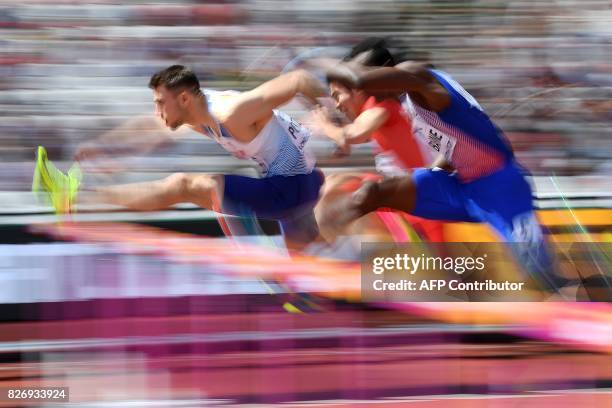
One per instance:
(394, 193)
(300, 229)
(426, 193)
(200, 189)
(375, 226)
(288, 199)
(504, 200)
(337, 188)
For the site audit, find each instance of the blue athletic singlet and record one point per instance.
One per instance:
(463, 132)
(488, 184)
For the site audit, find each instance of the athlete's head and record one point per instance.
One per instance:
(175, 90)
(372, 52)
(348, 101)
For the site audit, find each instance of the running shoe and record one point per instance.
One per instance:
(61, 189)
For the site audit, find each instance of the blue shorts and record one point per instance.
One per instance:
(287, 199)
(503, 200)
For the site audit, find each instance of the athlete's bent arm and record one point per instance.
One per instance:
(405, 77)
(257, 104)
(357, 132)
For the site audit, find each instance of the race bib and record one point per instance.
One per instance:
(438, 141)
(299, 134)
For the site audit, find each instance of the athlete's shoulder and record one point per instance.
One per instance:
(454, 88)
(392, 107)
(220, 94)
(431, 94)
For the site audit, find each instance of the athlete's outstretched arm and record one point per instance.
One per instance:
(404, 77)
(257, 104)
(138, 135)
(357, 132)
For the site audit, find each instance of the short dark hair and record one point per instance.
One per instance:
(175, 77)
(379, 54)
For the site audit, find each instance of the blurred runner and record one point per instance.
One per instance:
(380, 119)
(476, 177)
(245, 124)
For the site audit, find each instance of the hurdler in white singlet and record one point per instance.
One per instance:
(278, 149)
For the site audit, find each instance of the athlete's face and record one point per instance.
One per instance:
(170, 106)
(348, 101)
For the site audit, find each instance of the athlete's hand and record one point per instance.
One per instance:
(322, 121)
(342, 151)
(321, 116)
(315, 122)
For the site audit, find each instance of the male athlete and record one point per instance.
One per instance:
(383, 120)
(245, 124)
(476, 178)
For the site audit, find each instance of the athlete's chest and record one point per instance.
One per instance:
(430, 130)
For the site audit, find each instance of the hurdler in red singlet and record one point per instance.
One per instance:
(385, 122)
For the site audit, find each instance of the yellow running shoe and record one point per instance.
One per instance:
(61, 188)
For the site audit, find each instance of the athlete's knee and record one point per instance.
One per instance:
(192, 187)
(205, 190)
(367, 197)
(177, 184)
(398, 193)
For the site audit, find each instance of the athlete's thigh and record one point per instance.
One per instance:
(300, 227)
(271, 197)
(346, 182)
(245, 195)
(504, 200)
(338, 186)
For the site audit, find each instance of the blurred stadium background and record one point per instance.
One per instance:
(127, 325)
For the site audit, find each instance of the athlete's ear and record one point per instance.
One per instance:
(183, 98)
(358, 93)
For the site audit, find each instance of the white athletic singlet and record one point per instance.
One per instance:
(278, 149)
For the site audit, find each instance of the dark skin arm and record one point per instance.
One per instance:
(407, 77)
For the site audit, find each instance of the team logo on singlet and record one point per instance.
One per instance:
(437, 140)
(434, 140)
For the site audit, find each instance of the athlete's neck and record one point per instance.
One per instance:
(200, 117)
